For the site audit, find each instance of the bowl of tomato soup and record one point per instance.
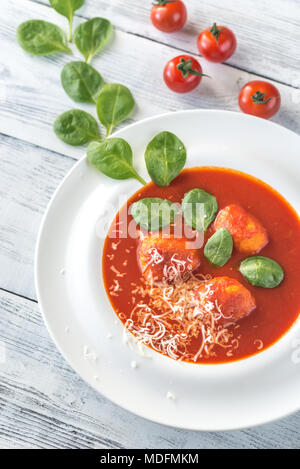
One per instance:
(181, 299)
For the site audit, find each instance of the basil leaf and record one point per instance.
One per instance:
(76, 127)
(113, 157)
(115, 103)
(199, 209)
(153, 213)
(262, 271)
(67, 8)
(218, 248)
(41, 38)
(165, 157)
(81, 82)
(91, 36)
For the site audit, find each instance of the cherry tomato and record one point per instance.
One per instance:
(217, 43)
(169, 15)
(259, 98)
(183, 73)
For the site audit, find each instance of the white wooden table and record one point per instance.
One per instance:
(43, 403)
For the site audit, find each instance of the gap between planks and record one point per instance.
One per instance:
(19, 295)
(35, 145)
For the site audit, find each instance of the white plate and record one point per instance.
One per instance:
(78, 314)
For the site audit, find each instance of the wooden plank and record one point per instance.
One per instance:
(267, 31)
(33, 97)
(28, 177)
(44, 404)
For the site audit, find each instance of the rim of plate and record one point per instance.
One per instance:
(252, 359)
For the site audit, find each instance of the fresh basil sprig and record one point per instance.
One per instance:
(40, 37)
(81, 82)
(113, 157)
(218, 248)
(199, 209)
(76, 127)
(91, 36)
(67, 9)
(262, 271)
(165, 157)
(114, 104)
(154, 213)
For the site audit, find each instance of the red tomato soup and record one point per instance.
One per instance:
(171, 316)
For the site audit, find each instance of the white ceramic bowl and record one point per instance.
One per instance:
(80, 318)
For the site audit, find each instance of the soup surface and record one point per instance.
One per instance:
(163, 316)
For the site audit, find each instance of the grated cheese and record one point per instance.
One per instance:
(115, 271)
(169, 316)
(259, 344)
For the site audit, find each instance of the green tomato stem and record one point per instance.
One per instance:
(162, 2)
(259, 98)
(186, 68)
(215, 31)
